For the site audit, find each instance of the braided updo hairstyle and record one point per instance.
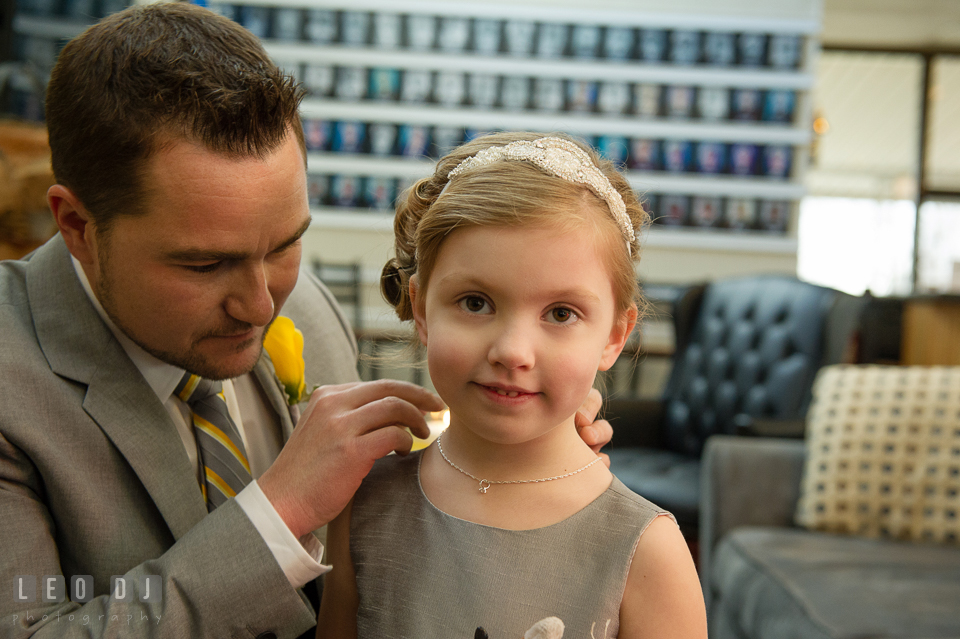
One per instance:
(506, 193)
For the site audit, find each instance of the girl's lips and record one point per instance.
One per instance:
(507, 393)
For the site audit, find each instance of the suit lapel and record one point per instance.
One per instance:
(267, 378)
(79, 346)
(140, 427)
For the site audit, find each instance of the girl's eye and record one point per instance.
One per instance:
(561, 315)
(475, 305)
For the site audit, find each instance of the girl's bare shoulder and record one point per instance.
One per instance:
(663, 597)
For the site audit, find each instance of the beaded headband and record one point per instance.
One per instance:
(563, 159)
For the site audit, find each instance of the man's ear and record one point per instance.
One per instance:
(619, 335)
(74, 221)
(416, 306)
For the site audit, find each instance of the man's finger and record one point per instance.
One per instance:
(384, 441)
(391, 411)
(597, 435)
(589, 409)
(358, 394)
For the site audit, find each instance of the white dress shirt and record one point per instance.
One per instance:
(259, 428)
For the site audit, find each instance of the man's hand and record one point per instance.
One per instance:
(596, 434)
(343, 430)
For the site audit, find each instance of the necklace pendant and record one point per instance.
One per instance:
(486, 483)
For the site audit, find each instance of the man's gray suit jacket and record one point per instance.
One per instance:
(94, 478)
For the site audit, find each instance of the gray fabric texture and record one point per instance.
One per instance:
(422, 573)
(746, 481)
(94, 479)
(792, 584)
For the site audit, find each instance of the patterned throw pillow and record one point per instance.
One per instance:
(883, 453)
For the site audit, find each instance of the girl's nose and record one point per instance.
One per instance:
(513, 348)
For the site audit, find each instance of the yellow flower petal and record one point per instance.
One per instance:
(419, 444)
(284, 345)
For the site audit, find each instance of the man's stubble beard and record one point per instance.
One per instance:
(191, 361)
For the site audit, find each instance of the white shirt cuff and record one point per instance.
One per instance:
(299, 559)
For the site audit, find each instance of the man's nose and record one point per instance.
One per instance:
(250, 301)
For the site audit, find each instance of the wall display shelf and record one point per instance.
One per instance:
(331, 217)
(581, 123)
(409, 169)
(49, 28)
(719, 240)
(59, 20)
(531, 11)
(708, 116)
(658, 237)
(41, 28)
(545, 68)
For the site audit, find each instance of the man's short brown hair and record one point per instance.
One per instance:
(153, 73)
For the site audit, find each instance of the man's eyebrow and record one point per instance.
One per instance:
(214, 255)
(296, 236)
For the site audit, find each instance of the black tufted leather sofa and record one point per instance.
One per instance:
(747, 352)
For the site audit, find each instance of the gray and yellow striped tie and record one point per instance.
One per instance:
(222, 456)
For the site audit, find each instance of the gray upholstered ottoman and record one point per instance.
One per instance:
(780, 583)
(765, 578)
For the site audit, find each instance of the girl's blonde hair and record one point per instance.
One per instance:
(506, 193)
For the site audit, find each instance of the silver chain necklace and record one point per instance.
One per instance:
(486, 483)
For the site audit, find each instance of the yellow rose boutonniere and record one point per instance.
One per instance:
(284, 345)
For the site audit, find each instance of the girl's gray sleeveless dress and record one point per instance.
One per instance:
(422, 574)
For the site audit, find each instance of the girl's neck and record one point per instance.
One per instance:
(558, 451)
(516, 506)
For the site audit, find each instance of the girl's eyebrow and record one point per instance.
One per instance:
(458, 278)
(462, 278)
(573, 294)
